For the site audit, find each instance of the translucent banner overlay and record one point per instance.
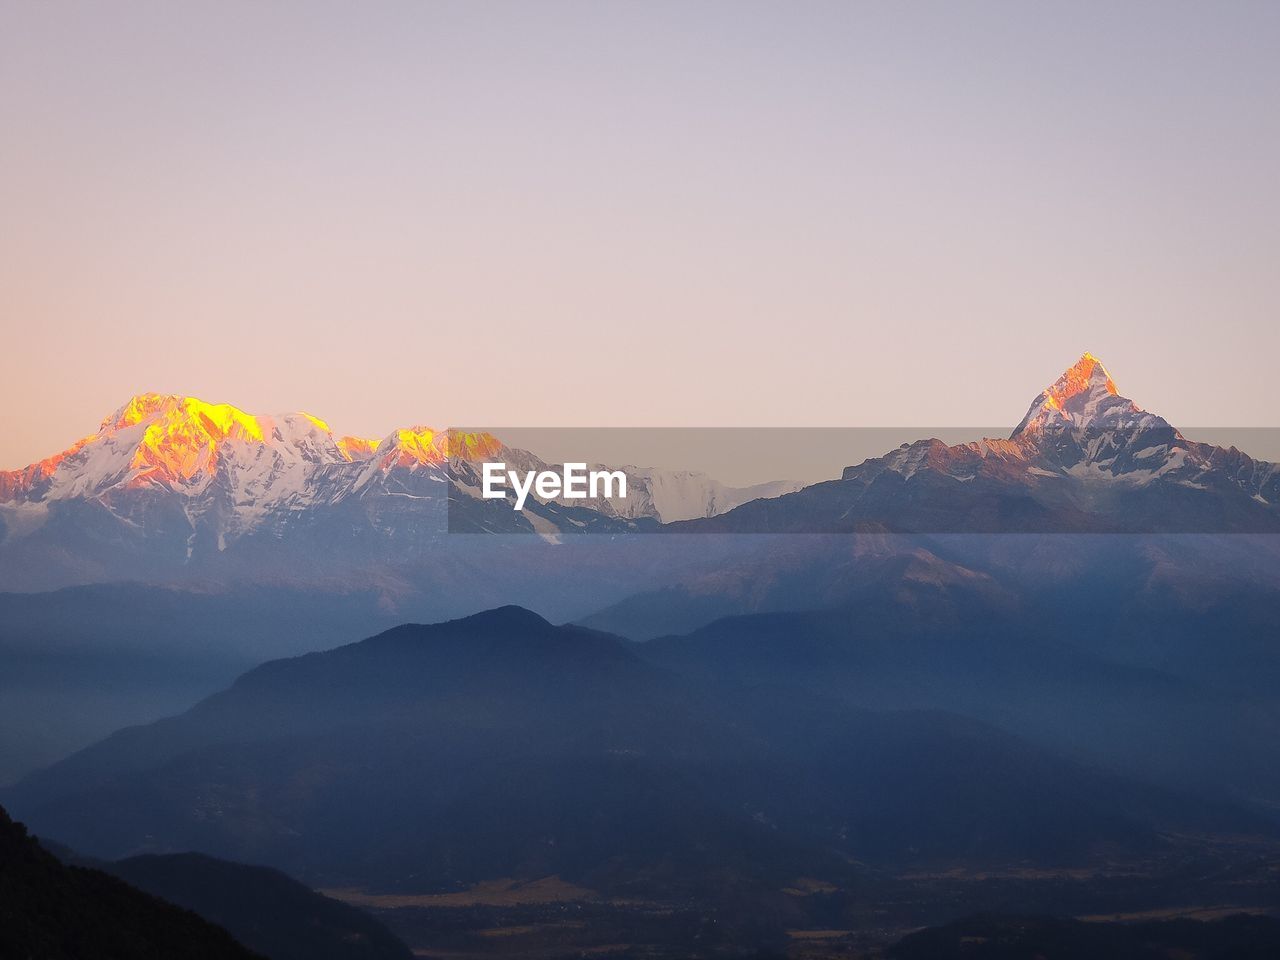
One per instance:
(1144, 478)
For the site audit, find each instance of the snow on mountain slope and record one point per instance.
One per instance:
(180, 444)
(1082, 427)
(1083, 394)
(209, 474)
(169, 480)
(227, 469)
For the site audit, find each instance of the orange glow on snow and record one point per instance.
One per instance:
(357, 448)
(433, 447)
(175, 438)
(1076, 381)
(185, 440)
(14, 483)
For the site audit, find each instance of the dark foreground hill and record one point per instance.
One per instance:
(52, 911)
(267, 911)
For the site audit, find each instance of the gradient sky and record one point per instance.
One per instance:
(606, 213)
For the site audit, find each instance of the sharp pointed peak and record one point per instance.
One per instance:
(1080, 376)
(1073, 397)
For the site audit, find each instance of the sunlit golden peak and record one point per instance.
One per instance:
(1082, 387)
(433, 447)
(1087, 372)
(139, 408)
(357, 448)
(184, 435)
(220, 418)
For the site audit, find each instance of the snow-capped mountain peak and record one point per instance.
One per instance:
(171, 481)
(1082, 424)
(1081, 429)
(228, 472)
(179, 443)
(1083, 394)
(421, 446)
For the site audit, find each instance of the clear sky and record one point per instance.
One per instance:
(606, 213)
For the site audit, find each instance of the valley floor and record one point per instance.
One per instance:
(552, 919)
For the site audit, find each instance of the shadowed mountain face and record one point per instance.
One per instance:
(262, 908)
(79, 663)
(1154, 655)
(1174, 718)
(1089, 582)
(52, 911)
(499, 745)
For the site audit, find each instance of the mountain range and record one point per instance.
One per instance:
(169, 486)
(1084, 459)
(191, 541)
(1035, 673)
(173, 489)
